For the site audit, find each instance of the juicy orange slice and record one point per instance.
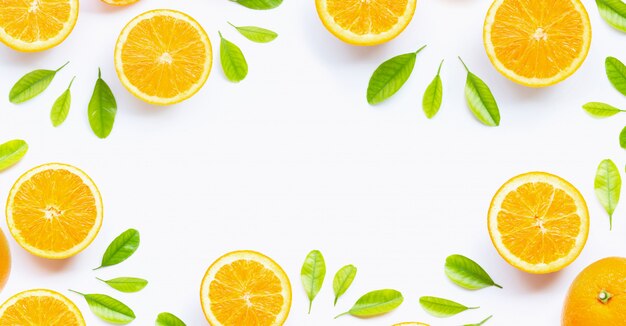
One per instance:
(36, 25)
(120, 2)
(245, 288)
(40, 308)
(537, 42)
(369, 22)
(163, 56)
(538, 222)
(54, 211)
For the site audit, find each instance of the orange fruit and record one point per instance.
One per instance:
(120, 2)
(369, 22)
(410, 324)
(538, 222)
(245, 288)
(40, 308)
(537, 42)
(36, 25)
(598, 295)
(5, 260)
(163, 56)
(54, 211)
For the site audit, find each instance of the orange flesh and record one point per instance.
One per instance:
(366, 17)
(5, 260)
(37, 311)
(34, 20)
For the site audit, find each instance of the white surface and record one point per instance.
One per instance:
(294, 159)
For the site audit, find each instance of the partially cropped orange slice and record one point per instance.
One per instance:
(245, 288)
(368, 22)
(537, 42)
(163, 56)
(120, 2)
(54, 211)
(40, 308)
(538, 222)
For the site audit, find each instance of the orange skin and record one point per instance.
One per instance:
(5, 260)
(604, 279)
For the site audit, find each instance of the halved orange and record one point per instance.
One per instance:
(36, 25)
(537, 43)
(40, 307)
(120, 2)
(54, 211)
(163, 56)
(368, 22)
(245, 288)
(538, 222)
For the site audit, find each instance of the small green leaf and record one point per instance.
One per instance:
(259, 4)
(431, 102)
(256, 34)
(601, 110)
(616, 72)
(12, 152)
(32, 84)
(343, 279)
(126, 284)
(480, 100)
(467, 273)
(375, 303)
(102, 108)
(613, 12)
(108, 309)
(121, 248)
(608, 185)
(390, 76)
(312, 274)
(481, 323)
(233, 62)
(439, 307)
(61, 106)
(622, 138)
(168, 319)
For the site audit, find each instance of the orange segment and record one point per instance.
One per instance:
(538, 222)
(54, 211)
(537, 42)
(163, 56)
(36, 25)
(40, 308)
(245, 288)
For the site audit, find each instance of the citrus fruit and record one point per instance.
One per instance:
(369, 22)
(410, 323)
(40, 308)
(5, 260)
(537, 43)
(54, 211)
(163, 56)
(120, 2)
(36, 25)
(598, 295)
(538, 222)
(245, 288)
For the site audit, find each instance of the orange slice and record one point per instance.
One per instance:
(120, 2)
(537, 43)
(36, 25)
(40, 308)
(54, 211)
(163, 56)
(368, 22)
(245, 288)
(538, 222)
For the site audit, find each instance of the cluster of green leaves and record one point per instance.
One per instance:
(12, 152)
(233, 61)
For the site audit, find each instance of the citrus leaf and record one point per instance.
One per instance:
(480, 100)
(121, 248)
(108, 309)
(12, 152)
(259, 4)
(616, 72)
(168, 319)
(256, 34)
(375, 303)
(601, 110)
(613, 12)
(102, 108)
(622, 138)
(126, 284)
(608, 185)
(312, 275)
(390, 76)
(431, 102)
(342, 281)
(233, 62)
(467, 273)
(32, 84)
(481, 323)
(440, 307)
(61, 107)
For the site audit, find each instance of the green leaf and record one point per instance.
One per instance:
(613, 12)
(168, 319)
(375, 303)
(233, 62)
(312, 274)
(108, 309)
(121, 248)
(481, 323)
(342, 281)
(126, 284)
(480, 100)
(390, 76)
(61, 106)
(256, 34)
(259, 4)
(616, 72)
(102, 109)
(601, 110)
(608, 185)
(431, 101)
(622, 138)
(467, 273)
(32, 84)
(12, 152)
(439, 307)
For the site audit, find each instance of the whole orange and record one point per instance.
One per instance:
(598, 295)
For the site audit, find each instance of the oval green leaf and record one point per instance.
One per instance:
(32, 84)
(375, 303)
(102, 108)
(622, 138)
(61, 107)
(342, 281)
(126, 284)
(616, 72)
(480, 100)
(12, 152)
(233, 62)
(608, 185)
(312, 275)
(467, 273)
(108, 309)
(481, 323)
(121, 248)
(601, 110)
(256, 34)
(441, 308)
(431, 102)
(259, 4)
(390, 76)
(168, 319)
(613, 12)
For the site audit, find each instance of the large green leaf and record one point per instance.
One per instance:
(32, 84)
(312, 275)
(431, 102)
(390, 76)
(108, 309)
(608, 185)
(121, 248)
(233, 61)
(61, 107)
(480, 100)
(342, 281)
(259, 4)
(440, 307)
(256, 34)
(601, 110)
(126, 284)
(613, 12)
(12, 152)
(102, 108)
(616, 72)
(168, 319)
(375, 303)
(467, 273)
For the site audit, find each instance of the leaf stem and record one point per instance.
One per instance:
(99, 73)
(97, 268)
(81, 294)
(220, 33)
(440, 65)
(343, 314)
(62, 67)
(497, 285)
(310, 305)
(71, 82)
(477, 307)
(229, 23)
(464, 65)
(99, 279)
(420, 49)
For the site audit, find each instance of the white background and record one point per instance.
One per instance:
(294, 159)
